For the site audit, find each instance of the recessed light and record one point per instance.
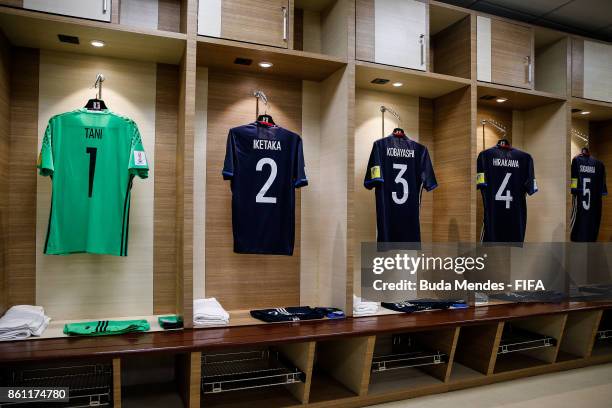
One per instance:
(397, 84)
(265, 64)
(97, 43)
(585, 112)
(501, 100)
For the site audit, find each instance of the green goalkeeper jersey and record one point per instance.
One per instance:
(92, 158)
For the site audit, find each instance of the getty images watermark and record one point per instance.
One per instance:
(397, 272)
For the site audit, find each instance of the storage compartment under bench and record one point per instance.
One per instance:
(89, 383)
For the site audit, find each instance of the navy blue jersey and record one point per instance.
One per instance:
(504, 177)
(399, 168)
(265, 164)
(588, 185)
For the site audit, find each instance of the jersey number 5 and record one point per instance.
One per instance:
(500, 196)
(261, 196)
(587, 193)
(402, 181)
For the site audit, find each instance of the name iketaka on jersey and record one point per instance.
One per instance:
(260, 144)
(397, 152)
(587, 169)
(505, 162)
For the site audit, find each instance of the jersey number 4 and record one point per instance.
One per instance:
(261, 196)
(502, 195)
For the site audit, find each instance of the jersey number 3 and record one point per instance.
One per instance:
(402, 181)
(261, 196)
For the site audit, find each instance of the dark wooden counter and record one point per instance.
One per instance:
(203, 339)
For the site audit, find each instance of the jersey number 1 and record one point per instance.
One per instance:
(92, 152)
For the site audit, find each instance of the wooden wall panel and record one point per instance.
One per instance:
(364, 41)
(453, 153)
(21, 254)
(335, 139)
(577, 67)
(164, 227)
(452, 50)
(100, 286)
(550, 70)
(601, 148)
(185, 164)
(545, 138)
(241, 281)
(426, 138)
(298, 29)
(169, 15)
(5, 101)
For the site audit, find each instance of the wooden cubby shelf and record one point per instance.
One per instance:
(185, 71)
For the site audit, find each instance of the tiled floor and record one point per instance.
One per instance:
(582, 388)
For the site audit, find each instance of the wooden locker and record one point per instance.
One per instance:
(255, 21)
(91, 9)
(597, 71)
(392, 32)
(511, 54)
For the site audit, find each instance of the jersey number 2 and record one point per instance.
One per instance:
(499, 196)
(261, 196)
(92, 152)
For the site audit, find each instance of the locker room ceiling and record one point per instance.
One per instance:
(591, 18)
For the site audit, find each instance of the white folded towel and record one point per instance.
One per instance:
(209, 312)
(23, 321)
(364, 308)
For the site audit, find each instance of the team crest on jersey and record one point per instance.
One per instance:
(140, 159)
(375, 172)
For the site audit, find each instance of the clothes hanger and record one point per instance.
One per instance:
(266, 118)
(97, 104)
(398, 131)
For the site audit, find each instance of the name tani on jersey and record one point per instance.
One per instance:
(505, 162)
(93, 133)
(261, 144)
(397, 152)
(587, 169)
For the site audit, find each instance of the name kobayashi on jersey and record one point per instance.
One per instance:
(399, 168)
(504, 176)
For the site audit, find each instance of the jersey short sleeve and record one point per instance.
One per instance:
(481, 180)
(228, 164)
(45, 157)
(299, 172)
(531, 186)
(428, 176)
(574, 176)
(373, 175)
(139, 166)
